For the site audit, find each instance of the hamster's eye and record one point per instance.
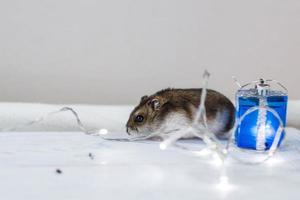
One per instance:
(139, 118)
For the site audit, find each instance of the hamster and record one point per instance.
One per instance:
(171, 109)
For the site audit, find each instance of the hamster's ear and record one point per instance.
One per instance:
(143, 98)
(156, 103)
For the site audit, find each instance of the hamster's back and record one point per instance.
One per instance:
(220, 111)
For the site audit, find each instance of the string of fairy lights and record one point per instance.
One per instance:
(218, 151)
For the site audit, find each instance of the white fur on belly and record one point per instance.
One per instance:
(175, 121)
(218, 124)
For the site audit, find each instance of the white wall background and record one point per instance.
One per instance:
(114, 51)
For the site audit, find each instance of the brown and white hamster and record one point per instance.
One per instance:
(171, 109)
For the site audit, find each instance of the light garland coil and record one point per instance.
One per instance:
(198, 129)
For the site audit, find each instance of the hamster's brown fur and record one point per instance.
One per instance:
(153, 111)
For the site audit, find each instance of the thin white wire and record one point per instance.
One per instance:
(199, 126)
(198, 129)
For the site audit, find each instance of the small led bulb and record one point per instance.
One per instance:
(224, 184)
(103, 131)
(162, 146)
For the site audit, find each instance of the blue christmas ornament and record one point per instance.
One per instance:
(261, 115)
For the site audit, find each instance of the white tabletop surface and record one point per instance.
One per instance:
(135, 170)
